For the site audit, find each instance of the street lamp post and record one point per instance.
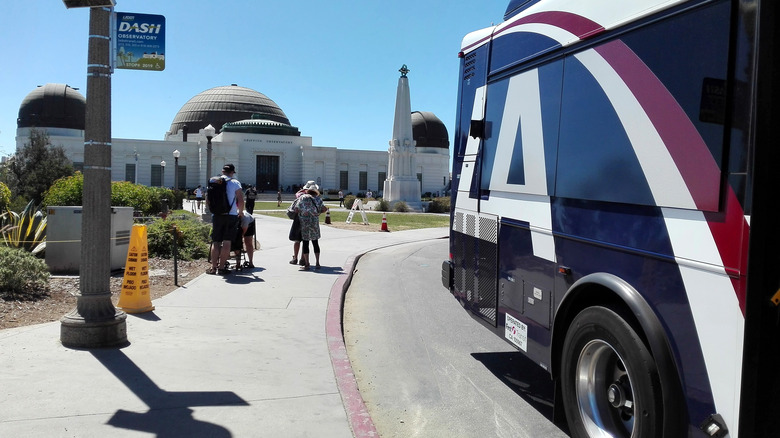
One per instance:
(95, 322)
(208, 131)
(162, 176)
(176, 155)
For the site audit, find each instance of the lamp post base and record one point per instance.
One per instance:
(95, 323)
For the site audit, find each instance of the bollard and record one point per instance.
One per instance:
(175, 232)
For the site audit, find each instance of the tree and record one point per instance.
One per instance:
(35, 167)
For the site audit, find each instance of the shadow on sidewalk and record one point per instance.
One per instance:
(169, 413)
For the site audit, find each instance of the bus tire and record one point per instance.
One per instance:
(609, 380)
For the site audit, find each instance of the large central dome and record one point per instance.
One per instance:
(220, 105)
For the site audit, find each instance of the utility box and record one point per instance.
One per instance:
(63, 238)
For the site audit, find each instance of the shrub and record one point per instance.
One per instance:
(382, 205)
(147, 200)
(348, 201)
(65, 191)
(439, 205)
(17, 203)
(5, 197)
(25, 230)
(22, 275)
(192, 238)
(401, 207)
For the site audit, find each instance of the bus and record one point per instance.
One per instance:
(613, 209)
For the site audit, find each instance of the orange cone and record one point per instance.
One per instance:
(384, 222)
(327, 216)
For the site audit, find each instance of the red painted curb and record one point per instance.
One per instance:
(357, 413)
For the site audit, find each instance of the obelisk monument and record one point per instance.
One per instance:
(401, 183)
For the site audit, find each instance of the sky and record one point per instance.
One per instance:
(332, 66)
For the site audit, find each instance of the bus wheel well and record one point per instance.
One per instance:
(611, 292)
(588, 295)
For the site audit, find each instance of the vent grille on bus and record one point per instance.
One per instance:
(487, 268)
(469, 66)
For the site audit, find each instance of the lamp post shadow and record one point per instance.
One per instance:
(170, 413)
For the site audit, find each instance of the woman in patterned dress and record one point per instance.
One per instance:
(309, 208)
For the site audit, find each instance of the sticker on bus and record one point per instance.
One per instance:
(516, 332)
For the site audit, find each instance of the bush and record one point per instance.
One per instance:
(65, 191)
(193, 238)
(439, 205)
(401, 207)
(5, 197)
(22, 275)
(348, 201)
(147, 200)
(382, 205)
(25, 230)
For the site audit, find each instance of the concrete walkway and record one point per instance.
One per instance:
(255, 354)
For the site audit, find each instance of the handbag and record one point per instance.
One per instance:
(291, 209)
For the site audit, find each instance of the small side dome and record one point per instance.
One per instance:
(428, 131)
(259, 125)
(53, 106)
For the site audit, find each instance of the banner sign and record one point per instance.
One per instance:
(140, 41)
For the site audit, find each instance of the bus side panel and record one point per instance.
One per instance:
(636, 192)
(650, 270)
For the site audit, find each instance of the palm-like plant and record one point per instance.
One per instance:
(25, 230)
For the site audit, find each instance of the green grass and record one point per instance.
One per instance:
(395, 221)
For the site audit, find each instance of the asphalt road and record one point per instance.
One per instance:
(424, 367)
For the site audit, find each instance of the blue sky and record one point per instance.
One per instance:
(331, 66)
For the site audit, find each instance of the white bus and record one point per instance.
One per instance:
(613, 189)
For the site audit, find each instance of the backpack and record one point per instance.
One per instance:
(216, 196)
(291, 213)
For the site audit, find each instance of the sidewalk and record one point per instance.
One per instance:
(249, 355)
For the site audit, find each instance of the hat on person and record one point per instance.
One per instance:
(311, 185)
(229, 168)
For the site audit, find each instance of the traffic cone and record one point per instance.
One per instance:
(384, 222)
(327, 216)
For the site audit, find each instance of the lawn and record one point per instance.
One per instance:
(395, 221)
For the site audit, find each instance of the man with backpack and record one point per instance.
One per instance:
(226, 202)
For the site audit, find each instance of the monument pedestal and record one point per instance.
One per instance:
(405, 189)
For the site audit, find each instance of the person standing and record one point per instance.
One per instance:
(279, 198)
(199, 198)
(295, 228)
(341, 198)
(225, 226)
(249, 231)
(309, 208)
(251, 195)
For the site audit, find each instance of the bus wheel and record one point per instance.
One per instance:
(609, 380)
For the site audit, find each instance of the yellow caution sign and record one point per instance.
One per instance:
(135, 297)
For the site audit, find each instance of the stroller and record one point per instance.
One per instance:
(236, 250)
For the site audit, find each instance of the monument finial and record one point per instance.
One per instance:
(404, 70)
